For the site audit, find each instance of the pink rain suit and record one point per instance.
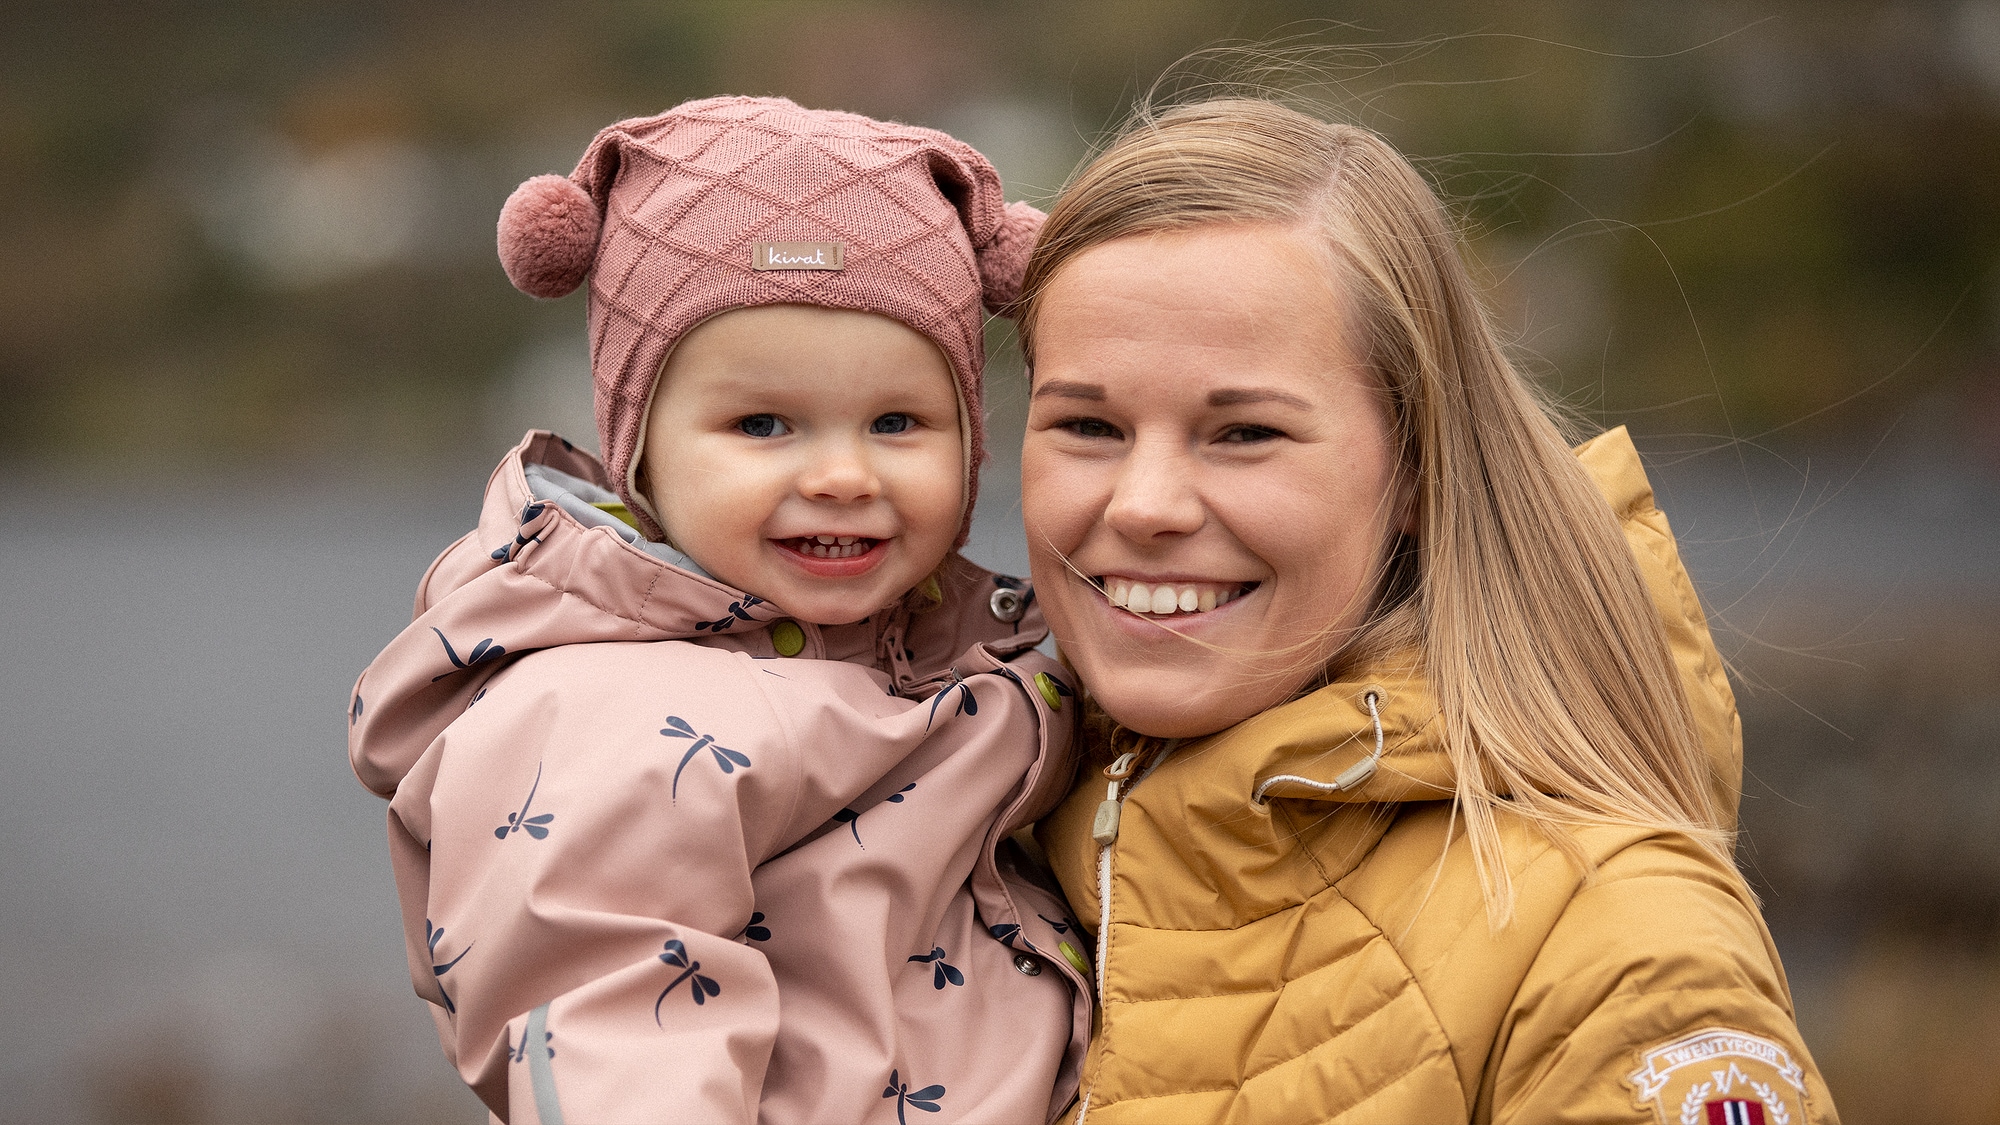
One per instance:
(652, 870)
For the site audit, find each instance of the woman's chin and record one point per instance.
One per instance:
(1166, 705)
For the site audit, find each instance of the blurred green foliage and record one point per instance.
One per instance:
(256, 232)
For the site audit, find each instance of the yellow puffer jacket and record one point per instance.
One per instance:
(1326, 956)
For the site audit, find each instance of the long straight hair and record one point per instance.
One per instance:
(1558, 695)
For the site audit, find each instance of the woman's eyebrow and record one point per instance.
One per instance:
(1067, 388)
(1240, 396)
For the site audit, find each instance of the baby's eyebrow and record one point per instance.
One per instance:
(1067, 388)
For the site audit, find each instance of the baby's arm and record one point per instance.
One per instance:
(586, 890)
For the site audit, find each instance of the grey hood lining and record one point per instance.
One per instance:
(576, 496)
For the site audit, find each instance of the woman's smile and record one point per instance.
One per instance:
(1165, 598)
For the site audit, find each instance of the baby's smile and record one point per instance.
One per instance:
(830, 546)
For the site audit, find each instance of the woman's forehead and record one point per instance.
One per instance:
(1237, 298)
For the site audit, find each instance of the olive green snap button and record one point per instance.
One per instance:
(1074, 957)
(1046, 684)
(788, 638)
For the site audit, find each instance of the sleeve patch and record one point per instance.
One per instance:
(1717, 1076)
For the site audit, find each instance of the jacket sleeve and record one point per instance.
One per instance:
(1656, 995)
(580, 858)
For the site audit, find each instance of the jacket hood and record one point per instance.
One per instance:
(1306, 749)
(550, 564)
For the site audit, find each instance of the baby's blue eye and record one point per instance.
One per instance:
(892, 424)
(761, 425)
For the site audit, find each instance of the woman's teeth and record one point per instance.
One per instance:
(833, 546)
(1170, 597)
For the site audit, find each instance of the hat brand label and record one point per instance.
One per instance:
(797, 255)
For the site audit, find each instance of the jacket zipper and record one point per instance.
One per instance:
(1104, 830)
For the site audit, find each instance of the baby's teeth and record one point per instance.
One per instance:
(1164, 600)
(848, 540)
(1206, 601)
(1188, 599)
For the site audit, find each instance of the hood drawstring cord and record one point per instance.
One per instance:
(1348, 778)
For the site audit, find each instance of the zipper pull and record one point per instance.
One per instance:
(1104, 827)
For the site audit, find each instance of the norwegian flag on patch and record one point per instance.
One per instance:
(1735, 1111)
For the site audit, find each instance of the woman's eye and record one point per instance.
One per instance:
(1091, 428)
(1249, 435)
(761, 425)
(892, 424)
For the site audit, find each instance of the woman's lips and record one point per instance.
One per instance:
(833, 556)
(1167, 599)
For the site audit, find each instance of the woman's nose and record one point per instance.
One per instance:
(1154, 495)
(840, 472)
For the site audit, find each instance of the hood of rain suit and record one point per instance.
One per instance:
(666, 853)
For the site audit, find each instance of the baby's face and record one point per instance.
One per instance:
(809, 456)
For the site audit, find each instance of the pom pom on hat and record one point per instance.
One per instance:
(1004, 262)
(548, 236)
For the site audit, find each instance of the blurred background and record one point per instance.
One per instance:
(257, 357)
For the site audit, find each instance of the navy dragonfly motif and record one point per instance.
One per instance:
(941, 973)
(967, 703)
(535, 826)
(432, 936)
(1061, 927)
(925, 1099)
(756, 930)
(1004, 932)
(507, 551)
(482, 653)
(354, 716)
(738, 611)
(853, 819)
(726, 758)
(519, 1053)
(703, 986)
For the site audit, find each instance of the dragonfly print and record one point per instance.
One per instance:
(507, 551)
(738, 611)
(535, 826)
(1061, 927)
(967, 703)
(925, 1099)
(756, 930)
(853, 819)
(1004, 932)
(726, 758)
(485, 652)
(941, 973)
(519, 1053)
(703, 987)
(354, 715)
(432, 936)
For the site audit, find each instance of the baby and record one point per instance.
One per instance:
(703, 762)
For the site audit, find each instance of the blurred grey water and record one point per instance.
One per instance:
(197, 894)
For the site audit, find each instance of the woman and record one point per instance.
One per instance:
(1418, 766)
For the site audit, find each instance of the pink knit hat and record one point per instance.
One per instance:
(726, 203)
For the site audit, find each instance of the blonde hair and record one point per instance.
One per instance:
(1558, 695)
